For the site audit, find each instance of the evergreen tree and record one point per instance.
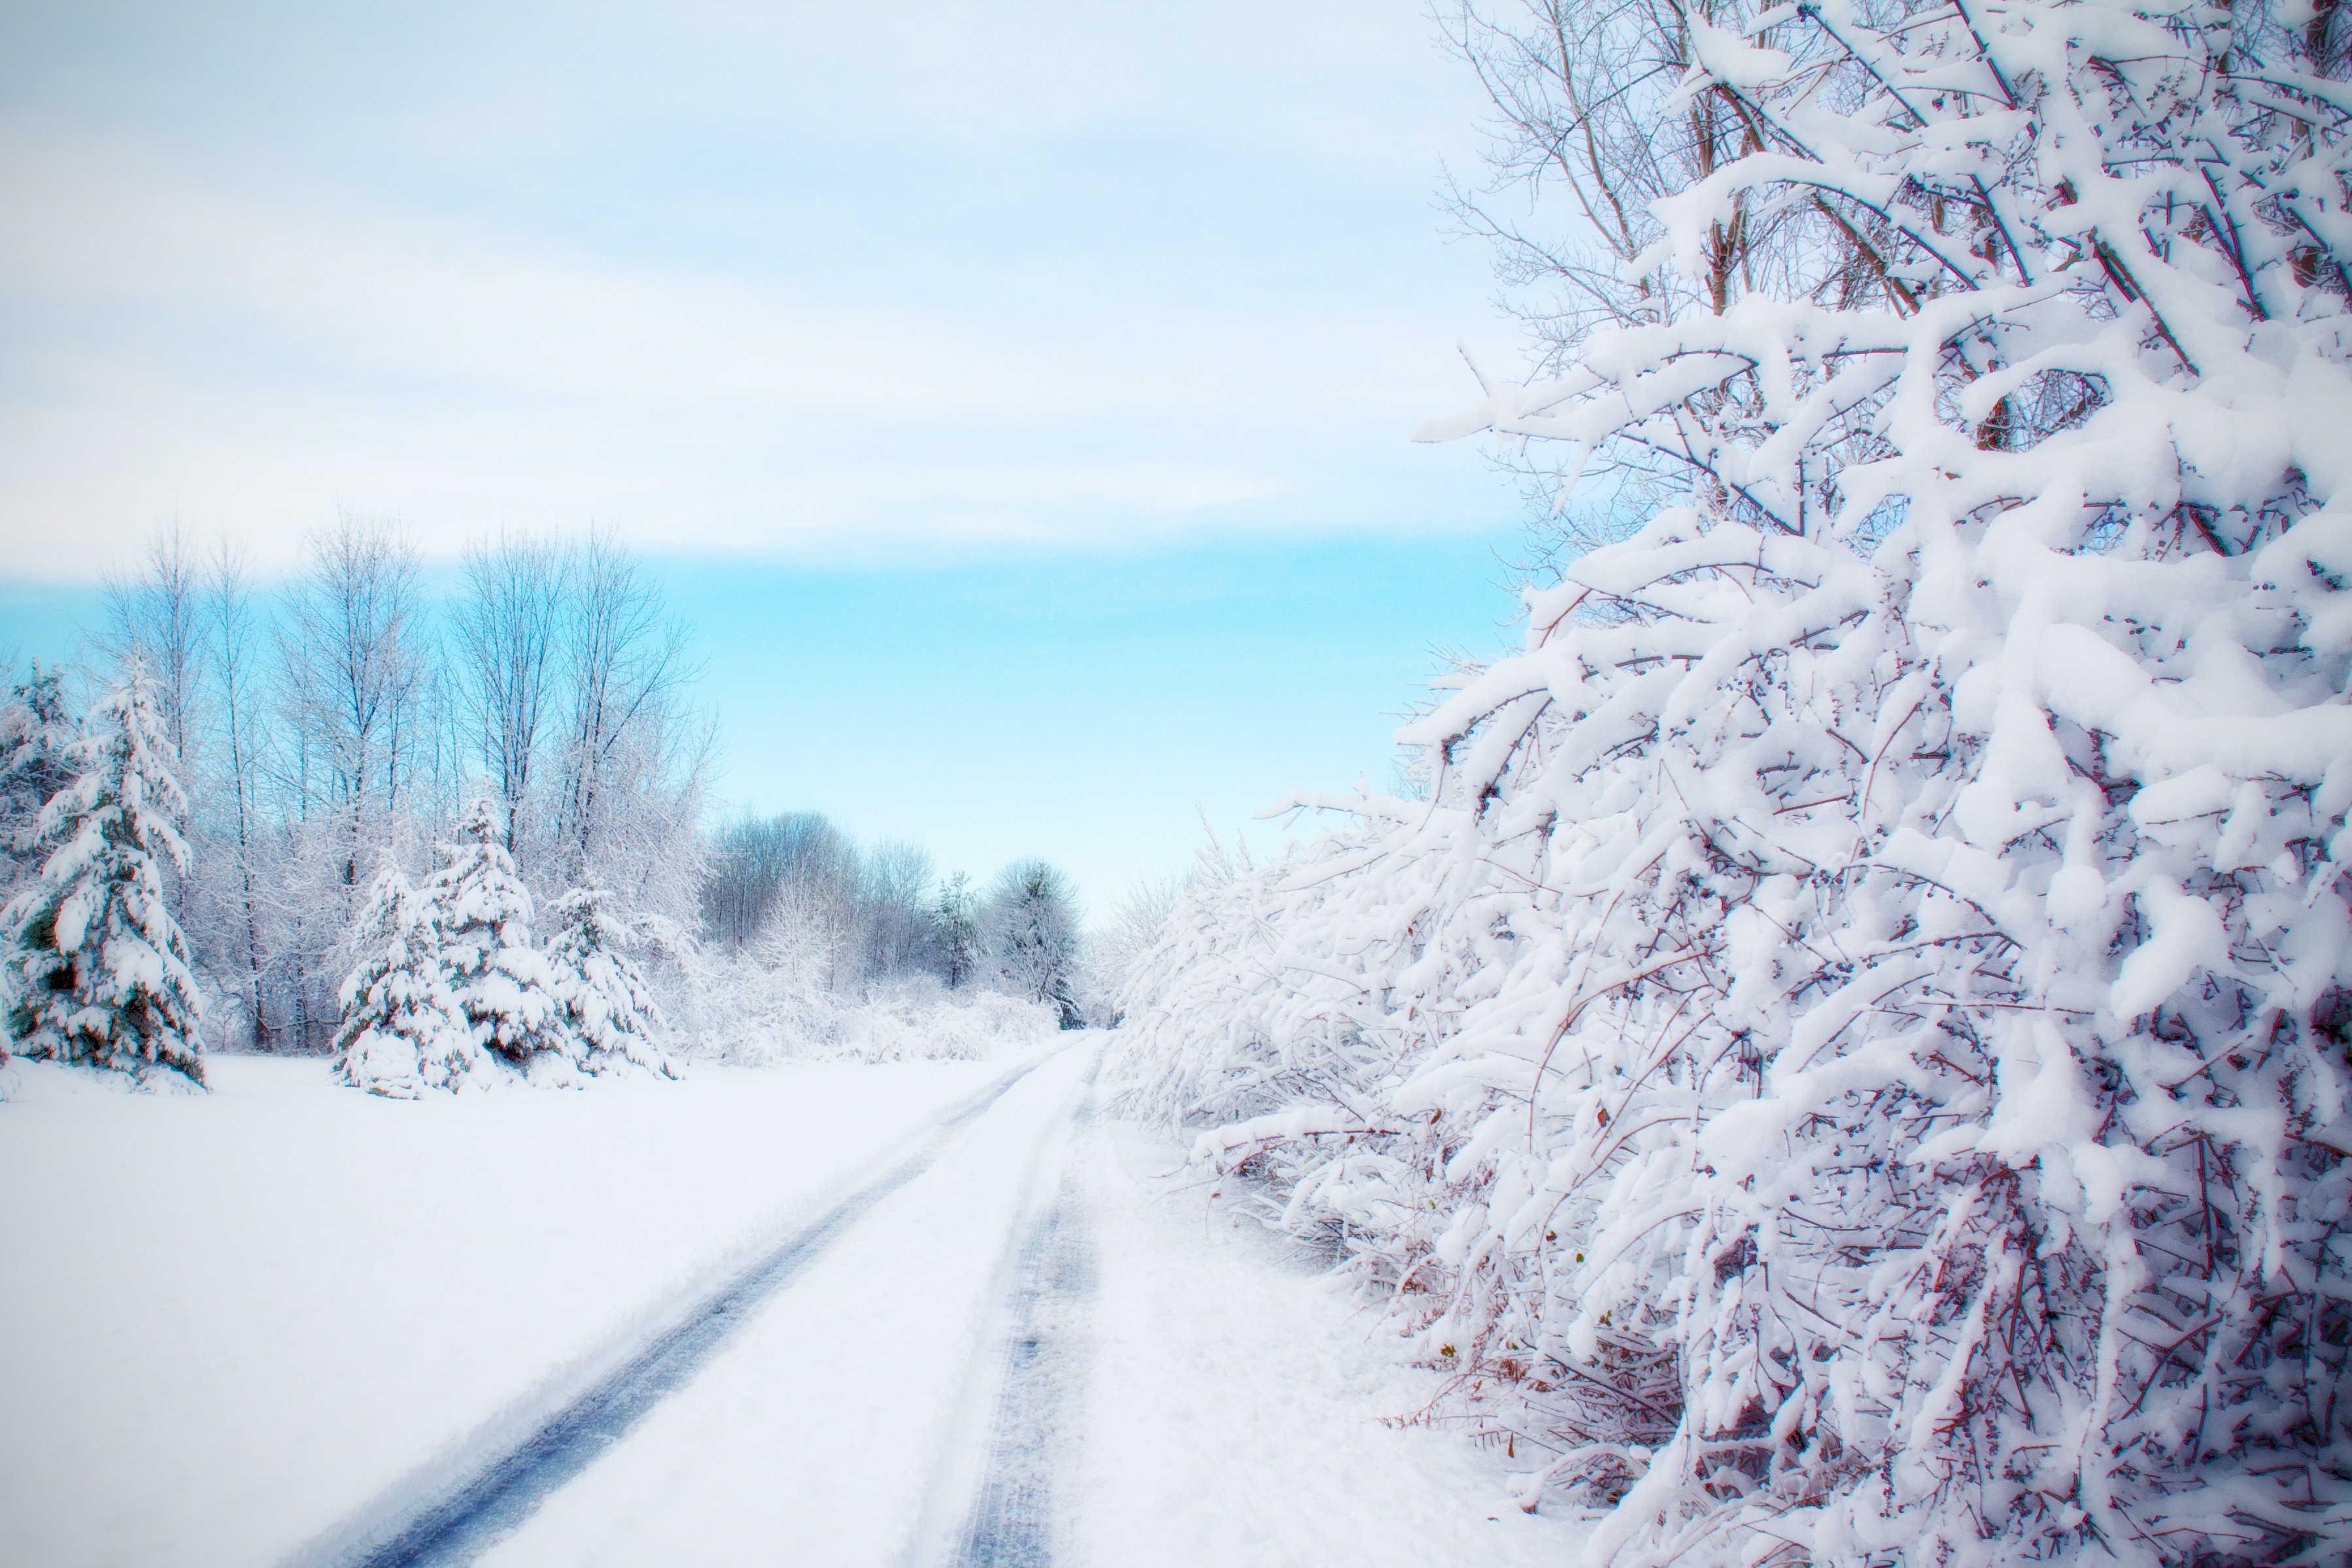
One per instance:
(35, 731)
(955, 931)
(98, 969)
(603, 1008)
(497, 977)
(401, 1031)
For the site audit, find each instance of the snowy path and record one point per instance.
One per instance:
(813, 1435)
(1015, 1339)
(1039, 1378)
(1026, 1355)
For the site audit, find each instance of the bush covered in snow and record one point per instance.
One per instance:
(1848, 1060)
(750, 1012)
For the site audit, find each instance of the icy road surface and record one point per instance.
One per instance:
(284, 1322)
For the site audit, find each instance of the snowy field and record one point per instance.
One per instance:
(261, 1315)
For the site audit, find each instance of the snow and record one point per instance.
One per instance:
(276, 1304)
(813, 1437)
(270, 1303)
(1235, 1416)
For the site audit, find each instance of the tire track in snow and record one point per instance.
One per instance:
(431, 1522)
(1011, 1518)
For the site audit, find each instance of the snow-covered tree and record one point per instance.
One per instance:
(1115, 948)
(955, 929)
(498, 979)
(605, 1011)
(35, 728)
(1848, 1061)
(98, 970)
(1031, 923)
(402, 1032)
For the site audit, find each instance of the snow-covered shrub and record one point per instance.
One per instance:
(606, 1012)
(750, 1013)
(923, 1021)
(1113, 948)
(1850, 1057)
(97, 968)
(401, 1032)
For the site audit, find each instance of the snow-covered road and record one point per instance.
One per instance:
(983, 1329)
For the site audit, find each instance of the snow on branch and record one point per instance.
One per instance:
(1852, 1059)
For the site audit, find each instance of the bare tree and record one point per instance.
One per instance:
(1590, 131)
(351, 671)
(623, 664)
(242, 738)
(157, 613)
(896, 916)
(508, 622)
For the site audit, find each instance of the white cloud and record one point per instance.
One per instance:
(733, 280)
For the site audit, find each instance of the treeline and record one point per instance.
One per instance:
(324, 734)
(346, 716)
(794, 891)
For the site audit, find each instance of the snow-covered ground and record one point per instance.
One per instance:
(1235, 1417)
(242, 1320)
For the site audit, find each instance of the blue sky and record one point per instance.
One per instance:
(956, 364)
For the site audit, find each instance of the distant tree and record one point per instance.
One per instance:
(792, 881)
(603, 1008)
(158, 613)
(235, 879)
(507, 622)
(955, 931)
(353, 672)
(629, 788)
(353, 661)
(1030, 922)
(402, 1033)
(897, 919)
(98, 968)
